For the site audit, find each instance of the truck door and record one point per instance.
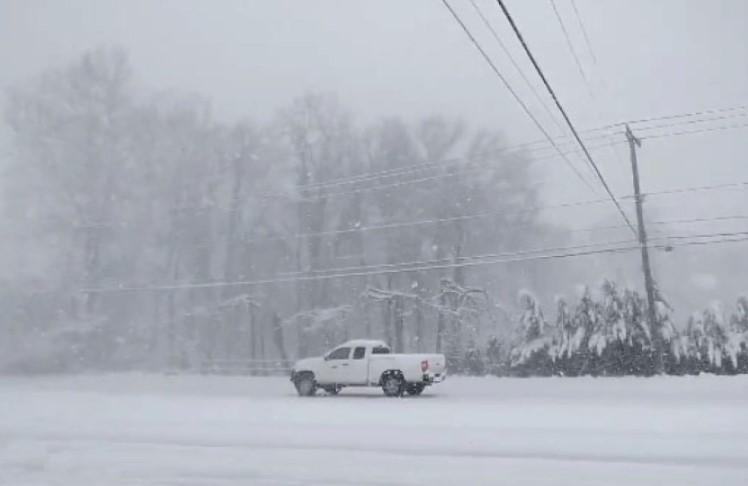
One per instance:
(335, 364)
(354, 370)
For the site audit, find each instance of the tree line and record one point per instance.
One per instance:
(607, 334)
(108, 185)
(135, 224)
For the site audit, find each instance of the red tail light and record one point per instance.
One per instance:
(424, 365)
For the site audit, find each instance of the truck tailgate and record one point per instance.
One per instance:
(433, 365)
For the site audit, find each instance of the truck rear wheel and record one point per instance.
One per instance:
(415, 389)
(305, 385)
(393, 384)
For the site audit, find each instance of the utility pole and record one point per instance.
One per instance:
(646, 267)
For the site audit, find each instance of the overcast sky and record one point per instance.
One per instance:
(410, 58)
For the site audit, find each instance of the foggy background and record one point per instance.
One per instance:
(140, 190)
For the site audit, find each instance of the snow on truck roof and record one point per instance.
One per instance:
(363, 342)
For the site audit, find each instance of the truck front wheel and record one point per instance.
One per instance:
(305, 385)
(393, 384)
(415, 389)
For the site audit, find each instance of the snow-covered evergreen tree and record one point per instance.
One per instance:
(634, 311)
(737, 340)
(569, 336)
(610, 327)
(708, 339)
(676, 343)
(585, 318)
(532, 354)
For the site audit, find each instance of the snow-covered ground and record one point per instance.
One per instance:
(202, 430)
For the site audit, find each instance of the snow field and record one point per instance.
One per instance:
(140, 429)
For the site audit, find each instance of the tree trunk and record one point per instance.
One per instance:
(301, 180)
(261, 345)
(441, 319)
(399, 324)
(231, 320)
(252, 333)
(419, 324)
(367, 320)
(387, 320)
(278, 338)
(170, 330)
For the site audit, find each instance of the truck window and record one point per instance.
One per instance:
(380, 350)
(359, 353)
(340, 353)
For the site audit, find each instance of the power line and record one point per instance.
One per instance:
(407, 265)
(711, 187)
(584, 31)
(578, 62)
(381, 187)
(724, 238)
(693, 132)
(704, 235)
(400, 171)
(570, 45)
(455, 161)
(531, 145)
(653, 127)
(563, 112)
(515, 64)
(422, 222)
(468, 217)
(481, 156)
(514, 93)
(692, 122)
(679, 115)
(705, 242)
(530, 251)
(701, 220)
(636, 123)
(290, 279)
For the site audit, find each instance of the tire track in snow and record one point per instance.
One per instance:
(733, 462)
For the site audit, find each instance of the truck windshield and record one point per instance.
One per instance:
(380, 350)
(340, 353)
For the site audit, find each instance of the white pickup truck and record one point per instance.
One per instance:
(364, 362)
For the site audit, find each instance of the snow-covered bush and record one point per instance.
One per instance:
(496, 356)
(474, 363)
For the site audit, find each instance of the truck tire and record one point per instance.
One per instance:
(415, 389)
(393, 384)
(305, 385)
